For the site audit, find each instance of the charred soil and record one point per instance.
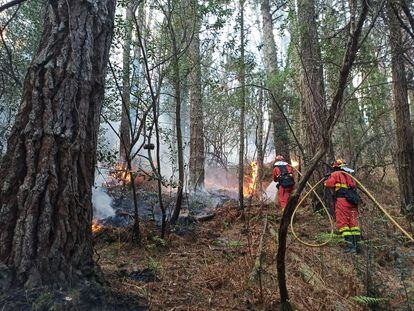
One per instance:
(229, 263)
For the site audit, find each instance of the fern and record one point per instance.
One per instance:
(368, 301)
(334, 239)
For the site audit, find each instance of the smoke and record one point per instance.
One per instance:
(101, 201)
(219, 179)
(271, 192)
(101, 204)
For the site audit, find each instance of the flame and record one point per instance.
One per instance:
(121, 173)
(294, 163)
(95, 227)
(251, 187)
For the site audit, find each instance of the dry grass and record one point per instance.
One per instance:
(210, 269)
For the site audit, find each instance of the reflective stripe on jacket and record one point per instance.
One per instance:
(338, 180)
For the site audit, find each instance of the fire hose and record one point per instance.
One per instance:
(380, 207)
(312, 189)
(330, 218)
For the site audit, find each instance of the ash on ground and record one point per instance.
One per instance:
(195, 206)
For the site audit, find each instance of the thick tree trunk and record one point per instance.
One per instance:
(280, 133)
(48, 171)
(313, 103)
(196, 165)
(125, 127)
(242, 77)
(323, 146)
(312, 86)
(405, 142)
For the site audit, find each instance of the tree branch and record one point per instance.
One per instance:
(8, 52)
(10, 4)
(348, 60)
(407, 13)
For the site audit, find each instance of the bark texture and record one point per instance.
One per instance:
(311, 83)
(280, 133)
(125, 127)
(259, 144)
(313, 105)
(48, 171)
(405, 142)
(196, 165)
(242, 79)
(323, 147)
(177, 84)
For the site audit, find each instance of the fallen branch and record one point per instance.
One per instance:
(205, 217)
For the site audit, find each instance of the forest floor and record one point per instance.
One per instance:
(228, 262)
(214, 265)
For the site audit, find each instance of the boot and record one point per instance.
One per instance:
(357, 244)
(350, 246)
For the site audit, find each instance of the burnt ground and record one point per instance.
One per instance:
(90, 295)
(148, 207)
(214, 265)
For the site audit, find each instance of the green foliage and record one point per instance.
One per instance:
(104, 154)
(404, 267)
(159, 241)
(107, 156)
(368, 301)
(234, 244)
(154, 266)
(43, 302)
(156, 239)
(334, 239)
(21, 37)
(277, 80)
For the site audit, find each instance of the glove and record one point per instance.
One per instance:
(277, 185)
(327, 175)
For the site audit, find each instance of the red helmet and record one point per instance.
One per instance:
(339, 163)
(279, 158)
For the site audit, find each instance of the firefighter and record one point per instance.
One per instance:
(285, 183)
(346, 204)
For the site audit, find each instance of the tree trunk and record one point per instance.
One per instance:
(138, 76)
(405, 143)
(48, 171)
(154, 93)
(280, 133)
(242, 76)
(259, 144)
(196, 165)
(323, 146)
(311, 84)
(313, 103)
(125, 127)
(177, 95)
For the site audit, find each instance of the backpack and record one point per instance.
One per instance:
(285, 178)
(352, 196)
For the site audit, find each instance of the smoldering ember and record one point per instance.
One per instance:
(206, 155)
